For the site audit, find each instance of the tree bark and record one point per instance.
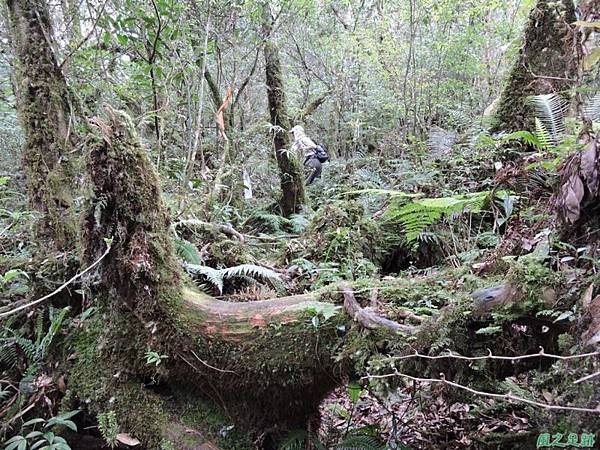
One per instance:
(546, 63)
(290, 169)
(45, 109)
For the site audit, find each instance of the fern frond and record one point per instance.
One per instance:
(299, 223)
(8, 353)
(416, 216)
(551, 110)
(39, 328)
(251, 270)
(359, 443)
(56, 319)
(591, 109)
(542, 135)
(187, 251)
(27, 346)
(214, 276)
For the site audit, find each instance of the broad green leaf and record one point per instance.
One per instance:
(354, 391)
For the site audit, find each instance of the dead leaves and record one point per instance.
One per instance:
(579, 183)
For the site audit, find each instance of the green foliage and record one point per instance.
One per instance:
(419, 214)
(154, 358)
(108, 426)
(187, 251)
(218, 277)
(265, 222)
(35, 350)
(43, 438)
(296, 440)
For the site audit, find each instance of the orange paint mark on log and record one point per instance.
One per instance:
(258, 321)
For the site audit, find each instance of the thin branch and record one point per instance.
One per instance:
(87, 36)
(509, 396)
(57, 290)
(587, 377)
(541, 353)
(212, 367)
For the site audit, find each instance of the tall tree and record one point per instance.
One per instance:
(45, 110)
(290, 170)
(546, 63)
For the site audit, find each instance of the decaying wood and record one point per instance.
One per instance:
(367, 317)
(219, 228)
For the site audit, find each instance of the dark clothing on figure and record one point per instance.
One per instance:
(312, 169)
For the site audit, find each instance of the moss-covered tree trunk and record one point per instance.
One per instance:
(546, 63)
(290, 169)
(46, 114)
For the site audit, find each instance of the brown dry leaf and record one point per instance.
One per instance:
(127, 439)
(571, 194)
(62, 386)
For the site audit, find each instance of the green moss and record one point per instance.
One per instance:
(543, 65)
(100, 381)
(206, 416)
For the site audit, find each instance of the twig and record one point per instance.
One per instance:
(57, 290)
(491, 356)
(212, 367)
(587, 377)
(85, 39)
(509, 396)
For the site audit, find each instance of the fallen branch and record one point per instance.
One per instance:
(541, 353)
(509, 396)
(225, 229)
(367, 317)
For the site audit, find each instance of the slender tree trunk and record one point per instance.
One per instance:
(48, 121)
(290, 169)
(546, 63)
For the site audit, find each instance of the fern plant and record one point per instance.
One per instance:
(218, 277)
(591, 109)
(419, 214)
(296, 440)
(187, 251)
(550, 111)
(36, 350)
